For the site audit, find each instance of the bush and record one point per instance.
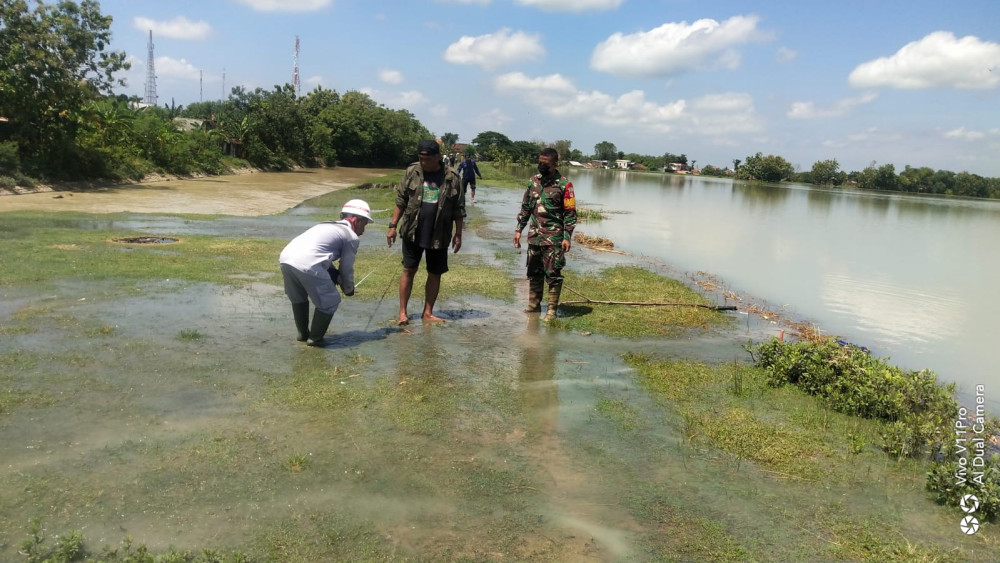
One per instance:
(916, 407)
(10, 160)
(948, 490)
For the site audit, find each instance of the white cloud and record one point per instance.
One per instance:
(808, 110)
(964, 135)
(676, 47)
(286, 5)
(390, 76)
(786, 55)
(572, 5)
(483, 2)
(497, 49)
(439, 110)
(712, 115)
(177, 28)
(314, 81)
(409, 100)
(939, 60)
(556, 96)
(167, 67)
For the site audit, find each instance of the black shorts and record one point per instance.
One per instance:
(437, 260)
(467, 183)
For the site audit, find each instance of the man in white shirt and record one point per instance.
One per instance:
(309, 274)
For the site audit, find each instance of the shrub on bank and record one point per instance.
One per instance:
(917, 409)
(918, 413)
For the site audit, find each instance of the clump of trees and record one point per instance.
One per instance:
(62, 120)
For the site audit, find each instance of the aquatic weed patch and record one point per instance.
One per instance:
(632, 284)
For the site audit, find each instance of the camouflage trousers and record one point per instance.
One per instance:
(546, 261)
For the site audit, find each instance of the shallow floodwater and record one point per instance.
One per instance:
(907, 276)
(186, 415)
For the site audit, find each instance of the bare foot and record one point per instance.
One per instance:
(404, 319)
(431, 318)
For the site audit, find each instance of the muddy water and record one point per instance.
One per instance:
(186, 415)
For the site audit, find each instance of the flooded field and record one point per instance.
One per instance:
(180, 412)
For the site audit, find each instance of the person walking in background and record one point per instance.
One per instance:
(309, 274)
(549, 204)
(468, 170)
(429, 201)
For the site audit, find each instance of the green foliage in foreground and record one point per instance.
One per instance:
(918, 409)
(784, 434)
(626, 283)
(71, 547)
(918, 413)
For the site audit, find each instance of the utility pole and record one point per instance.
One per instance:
(201, 86)
(150, 74)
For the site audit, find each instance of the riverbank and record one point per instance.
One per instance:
(260, 193)
(157, 392)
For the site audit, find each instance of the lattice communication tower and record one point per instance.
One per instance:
(150, 74)
(295, 71)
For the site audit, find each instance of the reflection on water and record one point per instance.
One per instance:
(902, 274)
(893, 313)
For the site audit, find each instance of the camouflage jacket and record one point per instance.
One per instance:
(550, 205)
(451, 204)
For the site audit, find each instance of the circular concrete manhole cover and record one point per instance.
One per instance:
(145, 240)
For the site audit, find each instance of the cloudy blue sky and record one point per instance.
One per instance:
(891, 81)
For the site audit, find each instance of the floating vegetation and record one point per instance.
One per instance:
(596, 243)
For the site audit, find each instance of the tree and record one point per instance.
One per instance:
(878, 177)
(448, 140)
(825, 172)
(52, 62)
(488, 139)
(736, 164)
(770, 168)
(605, 150)
(563, 148)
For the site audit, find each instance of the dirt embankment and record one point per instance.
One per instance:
(246, 192)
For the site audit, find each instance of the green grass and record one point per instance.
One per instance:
(514, 177)
(52, 247)
(589, 215)
(631, 284)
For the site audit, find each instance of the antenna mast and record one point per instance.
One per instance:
(295, 73)
(150, 74)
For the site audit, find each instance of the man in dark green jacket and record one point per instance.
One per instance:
(428, 201)
(549, 207)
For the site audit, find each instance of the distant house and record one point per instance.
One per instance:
(675, 167)
(574, 163)
(624, 164)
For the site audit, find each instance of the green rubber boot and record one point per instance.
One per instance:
(301, 313)
(554, 292)
(321, 322)
(535, 287)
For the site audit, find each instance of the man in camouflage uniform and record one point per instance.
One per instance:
(550, 204)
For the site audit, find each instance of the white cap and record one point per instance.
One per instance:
(358, 207)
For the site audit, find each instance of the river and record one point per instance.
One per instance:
(910, 277)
